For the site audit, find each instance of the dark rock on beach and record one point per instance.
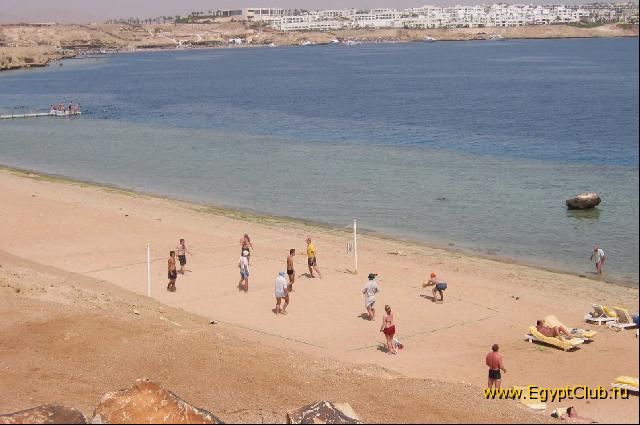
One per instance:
(323, 412)
(46, 414)
(583, 201)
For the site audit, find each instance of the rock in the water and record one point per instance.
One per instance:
(583, 201)
(323, 412)
(47, 414)
(147, 402)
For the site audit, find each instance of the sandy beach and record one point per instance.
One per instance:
(77, 252)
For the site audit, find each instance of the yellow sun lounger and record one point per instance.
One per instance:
(552, 321)
(559, 342)
(626, 382)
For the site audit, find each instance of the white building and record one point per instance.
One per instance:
(478, 16)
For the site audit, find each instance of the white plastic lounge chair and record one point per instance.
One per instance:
(625, 321)
(598, 315)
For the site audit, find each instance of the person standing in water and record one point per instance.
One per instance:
(388, 328)
(598, 256)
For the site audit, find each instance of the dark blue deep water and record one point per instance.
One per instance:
(469, 144)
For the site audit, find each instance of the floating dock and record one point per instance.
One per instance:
(40, 114)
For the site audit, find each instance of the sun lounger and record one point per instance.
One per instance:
(626, 382)
(625, 321)
(559, 342)
(553, 322)
(609, 312)
(599, 315)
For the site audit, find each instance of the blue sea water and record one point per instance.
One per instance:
(474, 145)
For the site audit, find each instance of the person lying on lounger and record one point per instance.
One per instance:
(552, 332)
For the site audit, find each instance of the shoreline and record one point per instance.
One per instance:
(93, 37)
(252, 216)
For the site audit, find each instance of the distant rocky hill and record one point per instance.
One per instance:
(25, 45)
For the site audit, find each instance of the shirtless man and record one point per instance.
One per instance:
(172, 273)
(181, 251)
(290, 270)
(494, 361)
(439, 287)
(551, 332)
(312, 261)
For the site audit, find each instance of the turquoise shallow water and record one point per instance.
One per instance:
(470, 145)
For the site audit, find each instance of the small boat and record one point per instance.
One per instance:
(430, 39)
(307, 43)
(496, 37)
(352, 42)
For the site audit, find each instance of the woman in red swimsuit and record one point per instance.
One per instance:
(388, 329)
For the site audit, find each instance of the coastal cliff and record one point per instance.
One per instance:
(27, 45)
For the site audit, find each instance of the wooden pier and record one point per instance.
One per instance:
(40, 114)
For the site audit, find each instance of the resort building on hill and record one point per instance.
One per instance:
(479, 16)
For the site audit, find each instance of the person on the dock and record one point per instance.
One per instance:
(243, 265)
(598, 256)
(388, 328)
(370, 290)
(439, 286)
(181, 251)
(282, 293)
(554, 332)
(246, 245)
(291, 272)
(495, 362)
(172, 273)
(312, 260)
